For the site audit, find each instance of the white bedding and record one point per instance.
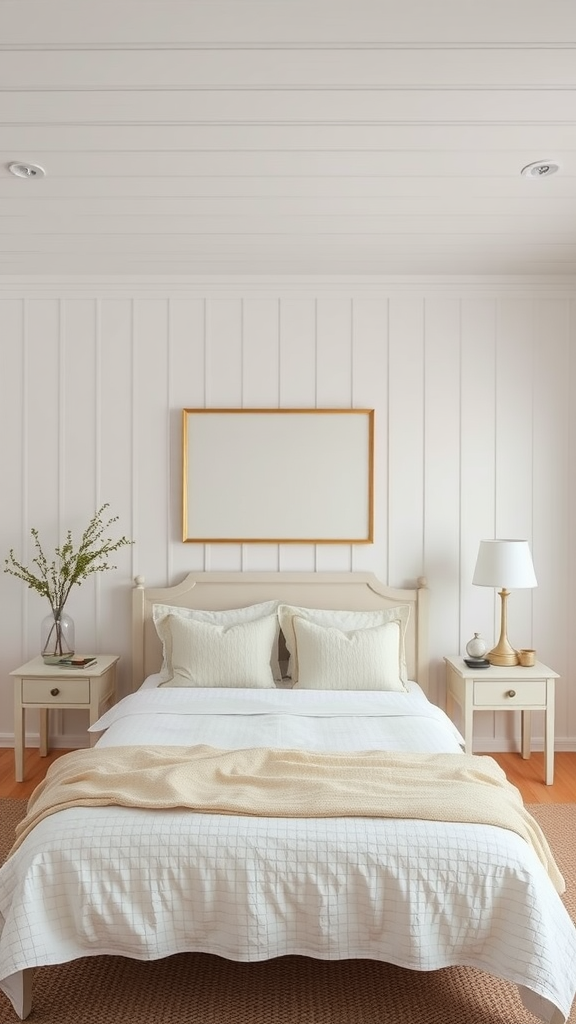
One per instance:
(320, 720)
(420, 894)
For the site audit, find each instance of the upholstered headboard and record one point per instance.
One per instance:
(219, 590)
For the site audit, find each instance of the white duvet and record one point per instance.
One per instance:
(420, 894)
(303, 719)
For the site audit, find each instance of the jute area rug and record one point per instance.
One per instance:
(197, 988)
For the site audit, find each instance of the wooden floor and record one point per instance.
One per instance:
(527, 776)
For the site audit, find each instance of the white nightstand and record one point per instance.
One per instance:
(42, 687)
(505, 689)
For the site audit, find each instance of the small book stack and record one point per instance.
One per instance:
(78, 662)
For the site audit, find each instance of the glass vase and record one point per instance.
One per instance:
(57, 637)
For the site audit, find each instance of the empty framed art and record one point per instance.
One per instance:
(278, 476)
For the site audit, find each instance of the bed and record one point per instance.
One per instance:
(249, 880)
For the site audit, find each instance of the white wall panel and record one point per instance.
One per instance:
(334, 353)
(260, 353)
(334, 390)
(442, 474)
(79, 463)
(186, 390)
(406, 440)
(477, 496)
(297, 353)
(44, 438)
(151, 485)
(261, 390)
(297, 389)
(369, 385)
(513, 462)
(224, 353)
(553, 469)
(514, 448)
(475, 433)
(224, 336)
(117, 472)
(13, 528)
(477, 451)
(569, 539)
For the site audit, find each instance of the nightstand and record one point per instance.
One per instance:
(42, 687)
(505, 689)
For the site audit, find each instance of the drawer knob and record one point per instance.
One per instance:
(54, 692)
(511, 693)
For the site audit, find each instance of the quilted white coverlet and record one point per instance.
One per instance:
(420, 894)
(307, 719)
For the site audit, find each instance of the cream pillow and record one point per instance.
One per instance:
(345, 621)
(359, 659)
(204, 654)
(226, 617)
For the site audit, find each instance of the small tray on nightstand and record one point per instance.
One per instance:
(477, 662)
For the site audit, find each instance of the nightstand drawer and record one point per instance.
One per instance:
(528, 691)
(56, 691)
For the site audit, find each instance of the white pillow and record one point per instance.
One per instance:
(358, 659)
(204, 654)
(346, 621)
(227, 617)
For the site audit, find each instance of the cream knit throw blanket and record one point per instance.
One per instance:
(291, 784)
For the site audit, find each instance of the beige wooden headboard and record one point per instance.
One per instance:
(220, 590)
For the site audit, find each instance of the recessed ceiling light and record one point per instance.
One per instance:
(540, 169)
(27, 170)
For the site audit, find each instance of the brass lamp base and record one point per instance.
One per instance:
(503, 653)
(497, 657)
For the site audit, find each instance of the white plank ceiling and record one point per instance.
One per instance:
(287, 136)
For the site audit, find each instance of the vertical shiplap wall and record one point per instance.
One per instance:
(475, 437)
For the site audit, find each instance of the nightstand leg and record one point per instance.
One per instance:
(19, 744)
(526, 733)
(43, 732)
(549, 736)
(468, 728)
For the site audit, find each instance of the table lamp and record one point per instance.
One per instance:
(506, 564)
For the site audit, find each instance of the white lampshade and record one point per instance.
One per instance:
(504, 563)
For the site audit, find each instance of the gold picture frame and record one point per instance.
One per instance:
(278, 476)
